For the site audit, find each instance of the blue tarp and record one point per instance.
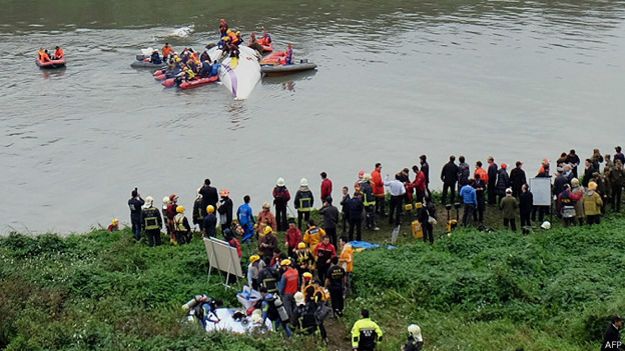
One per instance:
(363, 245)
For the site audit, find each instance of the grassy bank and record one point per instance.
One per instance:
(472, 291)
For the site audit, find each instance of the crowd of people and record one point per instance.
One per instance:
(310, 278)
(189, 64)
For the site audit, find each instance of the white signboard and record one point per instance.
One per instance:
(223, 257)
(541, 190)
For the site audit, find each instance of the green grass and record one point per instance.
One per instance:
(472, 291)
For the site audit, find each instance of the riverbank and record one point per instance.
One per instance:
(551, 290)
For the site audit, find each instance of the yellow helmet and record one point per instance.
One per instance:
(210, 209)
(180, 209)
(225, 38)
(229, 30)
(238, 33)
(115, 221)
(254, 258)
(307, 275)
(267, 230)
(286, 262)
(301, 246)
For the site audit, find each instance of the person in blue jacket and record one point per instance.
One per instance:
(469, 198)
(206, 69)
(215, 68)
(246, 219)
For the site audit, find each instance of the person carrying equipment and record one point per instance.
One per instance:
(152, 222)
(365, 333)
(274, 310)
(203, 309)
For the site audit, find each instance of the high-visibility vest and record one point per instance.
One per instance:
(305, 204)
(150, 220)
(368, 200)
(179, 222)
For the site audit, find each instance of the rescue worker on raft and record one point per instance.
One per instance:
(167, 50)
(289, 54)
(255, 44)
(58, 53)
(43, 55)
(266, 39)
(155, 58)
(223, 27)
(206, 69)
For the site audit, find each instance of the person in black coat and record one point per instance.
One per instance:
(573, 160)
(449, 176)
(425, 168)
(588, 171)
(612, 338)
(559, 183)
(209, 196)
(492, 180)
(503, 182)
(526, 203)
(135, 203)
(428, 210)
(355, 216)
(480, 187)
(225, 209)
(517, 179)
(209, 226)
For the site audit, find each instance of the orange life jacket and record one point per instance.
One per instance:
(45, 57)
(233, 38)
(167, 50)
(59, 53)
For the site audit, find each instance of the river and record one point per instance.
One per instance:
(521, 80)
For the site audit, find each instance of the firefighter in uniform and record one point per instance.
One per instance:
(182, 229)
(304, 202)
(368, 200)
(152, 222)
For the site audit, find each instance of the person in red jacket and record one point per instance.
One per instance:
(293, 238)
(324, 253)
(378, 189)
(288, 285)
(326, 186)
(419, 183)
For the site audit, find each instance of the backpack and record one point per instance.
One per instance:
(322, 312)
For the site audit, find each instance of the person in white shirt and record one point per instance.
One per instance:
(397, 190)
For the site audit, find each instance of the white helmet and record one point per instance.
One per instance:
(415, 331)
(166, 200)
(546, 225)
(149, 201)
(280, 182)
(303, 182)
